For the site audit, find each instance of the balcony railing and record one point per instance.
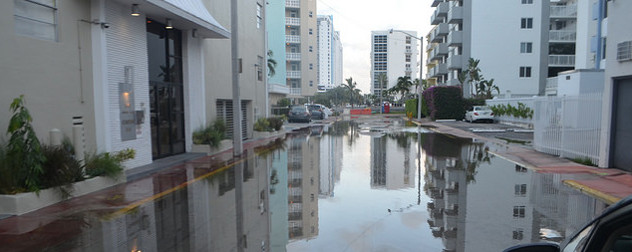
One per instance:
(439, 69)
(293, 39)
(438, 51)
(455, 38)
(439, 32)
(439, 13)
(455, 15)
(435, 3)
(293, 56)
(562, 36)
(292, 3)
(562, 60)
(454, 62)
(563, 11)
(294, 74)
(292, 21)
(295, 91)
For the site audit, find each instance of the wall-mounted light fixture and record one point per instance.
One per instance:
(169, 25)
(135, 10)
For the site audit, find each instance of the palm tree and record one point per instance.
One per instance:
(472, 75)
(351, 86)
(403, 86)
(382, 79)
(486, 88)
(271, 64)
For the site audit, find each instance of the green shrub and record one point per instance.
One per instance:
(522, 111)
(211, 135)
(61, 169)
(276, 122)
(24, 153)
(443, 102)
(411, 108)
(262, 124)
(106, 164)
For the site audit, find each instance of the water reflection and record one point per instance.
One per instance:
(352, 186)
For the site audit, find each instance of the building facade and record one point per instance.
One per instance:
(275, 28)
(301, 48)
(393, 54)
(329, 54)
(140, 75)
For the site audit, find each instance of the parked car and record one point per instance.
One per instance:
(317, 111)
(299, 113)
(479, 114)
(611, 231)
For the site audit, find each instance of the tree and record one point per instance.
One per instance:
(472, 75)
(486, 88)
(271, 64)
(351, 86)
(402, 87)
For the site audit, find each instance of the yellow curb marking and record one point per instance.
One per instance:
(609, 199)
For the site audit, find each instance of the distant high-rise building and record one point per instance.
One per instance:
(301, 48)
(393, 54)
(329, 54)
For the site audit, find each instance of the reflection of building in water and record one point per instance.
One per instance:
(303, 168)
(199, 217)
(278, 200)
(330, 163)
(391, 164)
(475, 200)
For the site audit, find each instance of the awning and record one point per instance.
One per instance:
(184, 14)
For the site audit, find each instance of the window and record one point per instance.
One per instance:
(520, 190)
(311, 83)
(521, 169)
(380, 57)
(36, 18)
(518, 234)
(603, 48)
(311, 48)
(518, 211)
(311, 14)
(407, 57)
(525, 72)
(526, 23)
(259, 16)
(408, 40)
(259, 68)
(527, 1)
(311, 66)
(526, 47)
(311, 31)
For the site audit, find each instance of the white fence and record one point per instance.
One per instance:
(568, 126)
(527, 101)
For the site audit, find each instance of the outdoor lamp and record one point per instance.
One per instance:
(135, 10)
(169, 24)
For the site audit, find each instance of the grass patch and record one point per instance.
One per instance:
(584, 161)
(508, 140)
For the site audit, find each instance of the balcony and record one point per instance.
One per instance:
(436, 2)
(455, 38)
(561, 60)
(562, 36)
(439, 13)
(453, 82)
(278, 89)
(293, 74)
(292, 4)
(439, 51)
(439, 69)
(292, 21)
(455, 15)
(293, 56)
(454, 62)
(439, 32)
(293, 39)
(295, 91)
(563, 12)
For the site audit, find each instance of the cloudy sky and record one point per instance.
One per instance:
(355, 19)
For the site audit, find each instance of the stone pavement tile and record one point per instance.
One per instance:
(606, 189)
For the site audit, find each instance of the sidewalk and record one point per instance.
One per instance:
(607, 185)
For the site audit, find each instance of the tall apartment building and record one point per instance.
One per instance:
(275, 27)
(329, 54)
(508, 37)
(301, 47)
(393, 54)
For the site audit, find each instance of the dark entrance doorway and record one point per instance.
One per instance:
(622, 125)
(164, 47)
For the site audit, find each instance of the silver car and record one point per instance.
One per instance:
(299, 113)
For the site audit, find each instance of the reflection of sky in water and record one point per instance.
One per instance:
(485, 203)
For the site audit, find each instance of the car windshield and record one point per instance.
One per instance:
(298, 109)
(481, 108)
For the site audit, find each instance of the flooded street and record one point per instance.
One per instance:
(350, 186)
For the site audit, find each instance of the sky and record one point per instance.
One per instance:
(355, 19)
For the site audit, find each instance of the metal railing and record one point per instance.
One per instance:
(294, 74)
(292, 21)
(563, 11)
(561, 60)
(295, 91)
(293, 56)
(292, 39)
(568, 126)
(293, 3)
(562, 35)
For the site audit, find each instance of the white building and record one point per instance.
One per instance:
(329, 54)
(395, 54)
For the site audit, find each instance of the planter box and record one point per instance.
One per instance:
(205, 148)
(22, 203)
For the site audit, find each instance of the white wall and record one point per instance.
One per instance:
(577, 82)
(496, 38)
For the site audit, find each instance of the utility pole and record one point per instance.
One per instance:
(236, 70)
(421, 68)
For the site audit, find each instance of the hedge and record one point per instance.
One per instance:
(443, 102)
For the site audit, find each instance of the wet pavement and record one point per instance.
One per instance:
(370, 184)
